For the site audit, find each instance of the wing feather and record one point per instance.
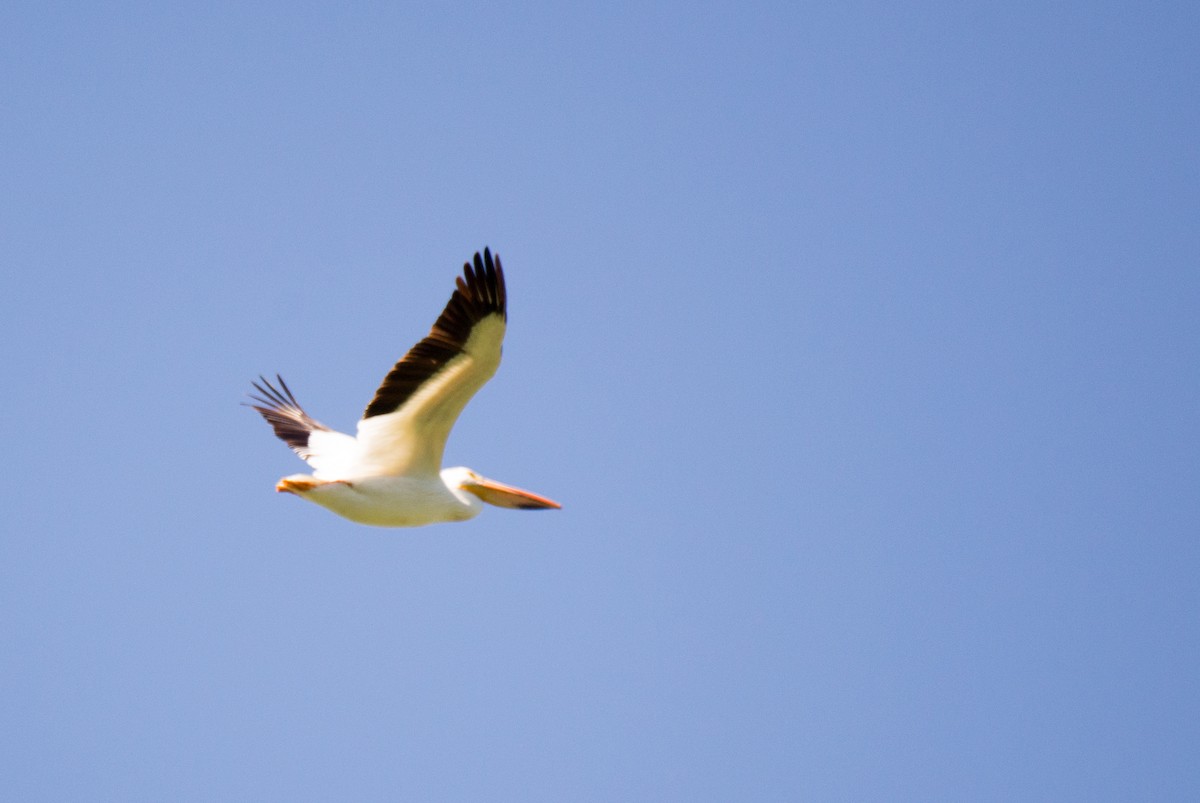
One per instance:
(329, 452)
(405, 427)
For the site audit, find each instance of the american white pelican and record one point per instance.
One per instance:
(389, 474)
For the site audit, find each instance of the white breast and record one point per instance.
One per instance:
(395, 501)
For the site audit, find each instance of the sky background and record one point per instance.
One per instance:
(861, 345)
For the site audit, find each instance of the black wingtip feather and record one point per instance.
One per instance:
(285, 415)
(479, 293)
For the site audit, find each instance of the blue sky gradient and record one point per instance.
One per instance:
(859, 343)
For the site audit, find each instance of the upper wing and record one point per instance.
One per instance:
(405, 427)
(329, 452)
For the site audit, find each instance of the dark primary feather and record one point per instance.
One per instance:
(479, 293)
(285, 415)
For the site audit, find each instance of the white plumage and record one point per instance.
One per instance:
(389, 474)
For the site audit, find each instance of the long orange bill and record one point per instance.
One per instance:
(501, 495)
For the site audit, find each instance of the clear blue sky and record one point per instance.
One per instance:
(860, 343)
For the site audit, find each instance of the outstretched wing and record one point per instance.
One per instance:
(404, 428)
(329, 452)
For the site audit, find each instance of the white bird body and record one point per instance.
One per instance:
(386, 501)
(389, 474)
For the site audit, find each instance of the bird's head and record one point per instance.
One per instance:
(494, 493)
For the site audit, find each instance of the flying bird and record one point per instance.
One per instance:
(390, 473)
